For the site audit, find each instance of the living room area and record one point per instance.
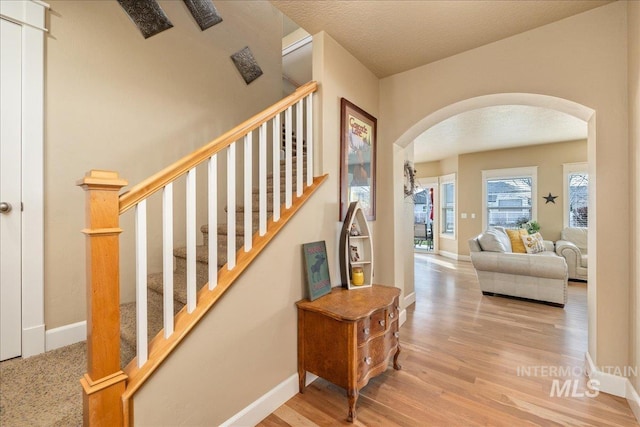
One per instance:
(520, 169)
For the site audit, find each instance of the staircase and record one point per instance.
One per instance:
(155, 280)
(127, 344)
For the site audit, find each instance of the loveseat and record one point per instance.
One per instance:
(541, 276)
(573, 247)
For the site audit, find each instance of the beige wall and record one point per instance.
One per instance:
(340, 75)
(549, 159)
(404, 236)
(117, 101)
(428, 169)
(582, 59)
(634, 139)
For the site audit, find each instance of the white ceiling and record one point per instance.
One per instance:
(390, 37)
(494, 128)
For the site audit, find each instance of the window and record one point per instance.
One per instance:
(509, 196)
(576, 195)
(448, 205)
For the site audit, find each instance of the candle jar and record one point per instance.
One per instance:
(357, 276)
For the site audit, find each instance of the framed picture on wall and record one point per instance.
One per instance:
(358, 134)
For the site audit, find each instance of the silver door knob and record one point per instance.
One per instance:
(5, 207)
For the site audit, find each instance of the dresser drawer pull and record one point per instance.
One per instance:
(382, 322)
(367, 360)
(396, 334)
(392, 315)
(366, 331)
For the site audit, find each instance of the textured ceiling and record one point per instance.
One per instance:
(389, 37)
(394, 36)
(492, 128)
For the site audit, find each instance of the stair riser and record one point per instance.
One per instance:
(222, 231)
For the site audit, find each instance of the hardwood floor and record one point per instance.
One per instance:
(472, 360)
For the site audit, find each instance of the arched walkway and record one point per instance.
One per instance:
(544, 101)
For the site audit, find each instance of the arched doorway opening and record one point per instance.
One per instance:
(582, 112)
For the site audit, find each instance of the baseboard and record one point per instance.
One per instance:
(276, 397)
(634, 400)
(608, 383)
(268, 403)
(66, 335)
(403, 317)
(407, 301)
(33, 341)
(464, 258)
(450, 255)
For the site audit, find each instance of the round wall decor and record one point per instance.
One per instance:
(409, 178)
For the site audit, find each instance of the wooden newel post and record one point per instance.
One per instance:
(104, 382)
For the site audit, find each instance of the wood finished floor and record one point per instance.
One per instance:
(461, 355)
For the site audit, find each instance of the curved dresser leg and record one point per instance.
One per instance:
(396, 365)
(352, 395)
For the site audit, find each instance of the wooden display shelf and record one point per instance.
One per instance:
(356, 250)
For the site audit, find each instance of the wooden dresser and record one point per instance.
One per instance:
(348, 337)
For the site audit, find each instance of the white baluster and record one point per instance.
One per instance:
(191, 240)
(288, 160)
(231, 206)
(277, 138)
(141, 282)
(299, 148)
(248, 190)
(262, 175)
(309, 127)
(167, 259)
(213, 221)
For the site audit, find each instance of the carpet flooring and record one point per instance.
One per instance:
(43, 390)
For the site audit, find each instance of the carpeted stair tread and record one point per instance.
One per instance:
(128, 319)
(127, 352)
(202, 257)
(154, 283)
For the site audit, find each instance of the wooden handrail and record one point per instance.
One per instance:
(155, 182)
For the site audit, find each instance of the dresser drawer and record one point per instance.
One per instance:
(376, 352)
(374, 325)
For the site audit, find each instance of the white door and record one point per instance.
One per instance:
(10, 191)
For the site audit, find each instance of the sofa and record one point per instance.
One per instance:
(538, 276)
(572, 246)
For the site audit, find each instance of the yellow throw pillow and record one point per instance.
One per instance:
(516, 240)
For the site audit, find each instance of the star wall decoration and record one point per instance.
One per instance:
(550, 198)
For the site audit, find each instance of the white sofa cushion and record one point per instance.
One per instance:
(495, 239)
(576, 235)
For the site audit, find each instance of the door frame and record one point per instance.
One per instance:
(433, 182)
(31, 16)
